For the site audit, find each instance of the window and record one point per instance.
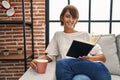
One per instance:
(96, 16)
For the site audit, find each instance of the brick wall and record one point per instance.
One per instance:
(11, 36)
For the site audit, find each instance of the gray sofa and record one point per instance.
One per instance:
(111, 48)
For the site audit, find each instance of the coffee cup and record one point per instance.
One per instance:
(41, 65)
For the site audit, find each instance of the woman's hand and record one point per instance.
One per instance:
(33, 64)
(87, 58)
(98, 57)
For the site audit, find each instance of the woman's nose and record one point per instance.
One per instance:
(71, 19)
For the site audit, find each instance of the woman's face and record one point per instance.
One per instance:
(68, 20)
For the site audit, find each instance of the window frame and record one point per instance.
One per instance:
(110, 21)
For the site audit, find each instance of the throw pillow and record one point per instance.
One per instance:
(108, 45)
(118, 45)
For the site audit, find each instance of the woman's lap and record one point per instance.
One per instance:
(66, 69)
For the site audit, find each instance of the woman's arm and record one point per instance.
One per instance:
(97, 57)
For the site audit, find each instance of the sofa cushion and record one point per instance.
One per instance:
(115, 77)
(108, 44)
(118, 45)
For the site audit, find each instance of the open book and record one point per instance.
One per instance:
(80, 48)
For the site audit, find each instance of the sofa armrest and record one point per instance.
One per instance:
(31, 74)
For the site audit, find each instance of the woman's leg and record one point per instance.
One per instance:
(81, 77)
(66, 69)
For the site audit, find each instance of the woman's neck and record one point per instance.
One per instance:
(70, 31)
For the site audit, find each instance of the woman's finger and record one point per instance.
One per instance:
(33, 65)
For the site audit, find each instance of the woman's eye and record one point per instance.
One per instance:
(67, 16)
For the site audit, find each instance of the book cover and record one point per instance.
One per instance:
(79, 48)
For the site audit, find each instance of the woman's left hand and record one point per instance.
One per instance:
(98, 57)
(87, 58)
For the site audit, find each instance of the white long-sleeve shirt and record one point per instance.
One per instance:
(61, 42)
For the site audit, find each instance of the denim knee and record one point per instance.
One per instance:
(81, 77)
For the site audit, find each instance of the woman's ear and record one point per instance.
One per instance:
(61, 18)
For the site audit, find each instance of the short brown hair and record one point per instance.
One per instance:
(73, 11)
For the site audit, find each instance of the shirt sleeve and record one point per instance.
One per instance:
(52, 48)
(96, 50)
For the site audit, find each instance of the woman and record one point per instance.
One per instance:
(88, 67)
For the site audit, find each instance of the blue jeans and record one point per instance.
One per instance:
(81, 77)
(66, 69)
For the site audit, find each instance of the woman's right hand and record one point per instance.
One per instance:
(33, 64)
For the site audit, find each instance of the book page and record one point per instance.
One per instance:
(85, 41)
(95, 38)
